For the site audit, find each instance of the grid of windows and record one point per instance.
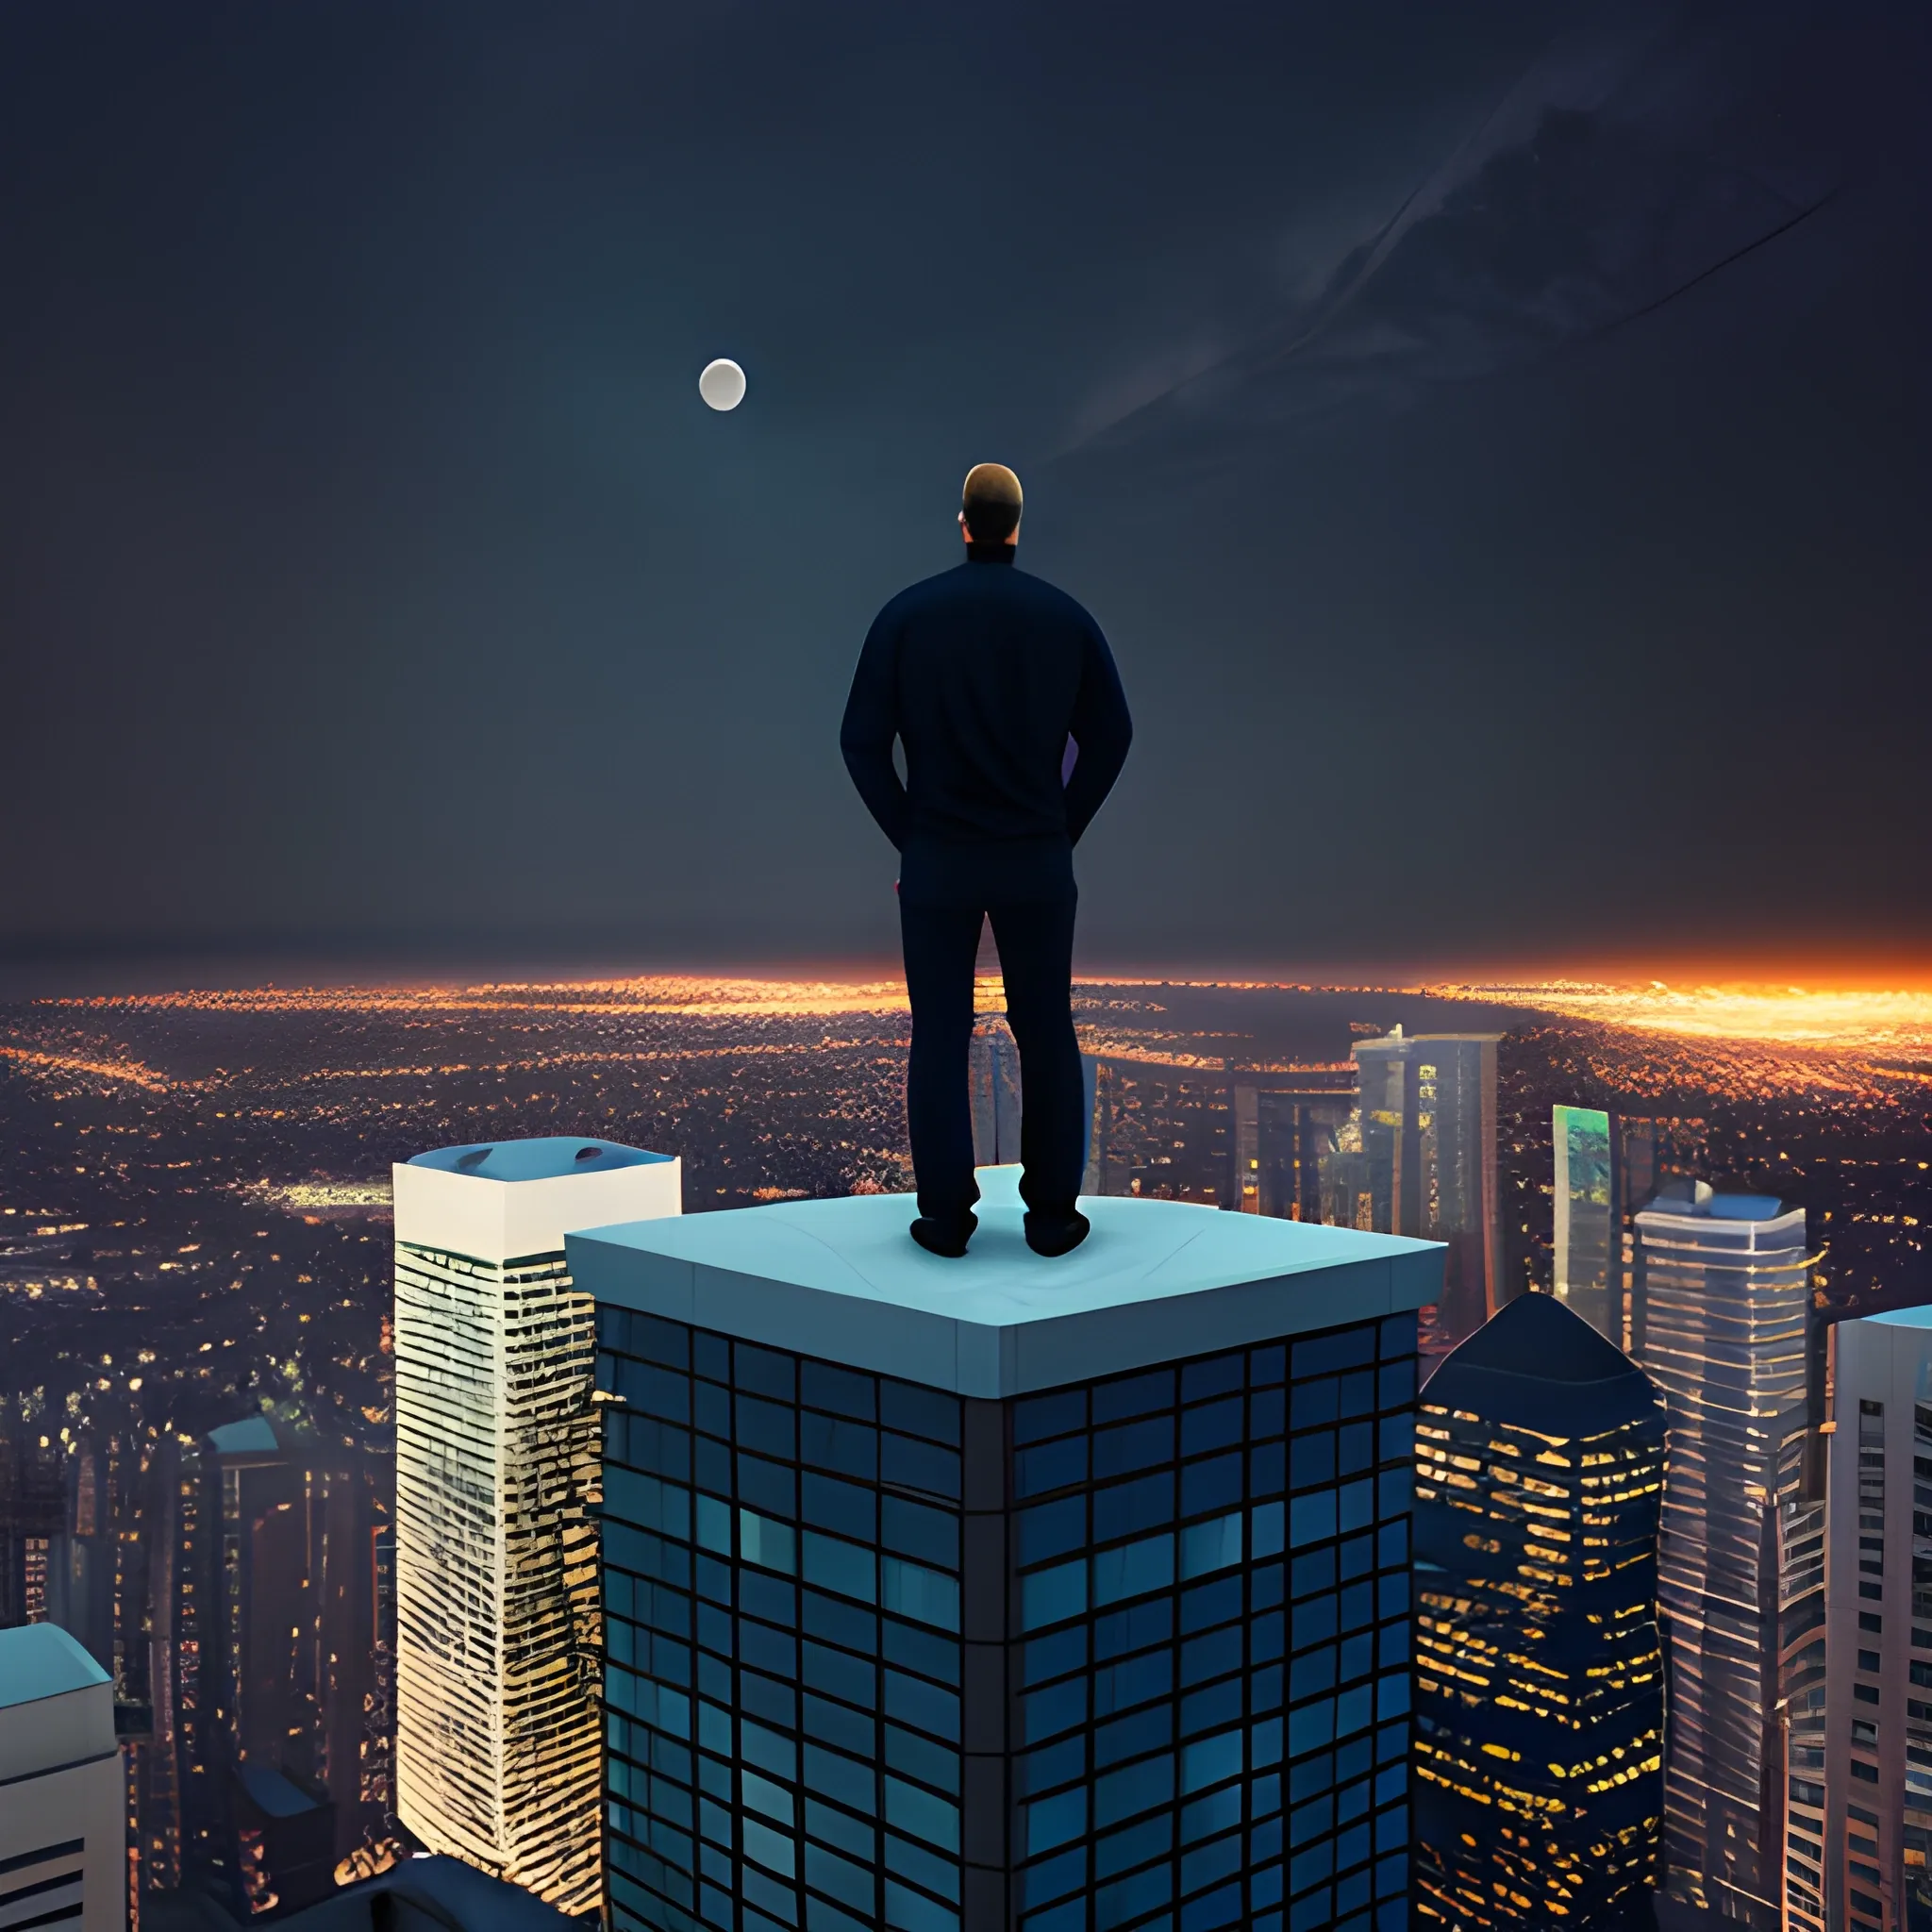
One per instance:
(781, 1575)
(1211, 1627)
(1190, 1587)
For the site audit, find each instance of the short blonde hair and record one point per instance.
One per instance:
(992, 503)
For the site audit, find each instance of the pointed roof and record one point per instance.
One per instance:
(1538, 1335)
(1539, 1364)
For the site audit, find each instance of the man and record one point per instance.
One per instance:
(985, 674)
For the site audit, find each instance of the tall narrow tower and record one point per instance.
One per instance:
(498, 1627)
(1723, 1282)
(1427, 1165)
(1539, 1695)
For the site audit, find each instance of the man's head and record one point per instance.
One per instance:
(989, 505)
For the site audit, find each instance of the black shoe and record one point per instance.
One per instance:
(944, 1237)
(1057, 1234)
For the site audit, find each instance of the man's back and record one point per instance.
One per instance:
(983, 673)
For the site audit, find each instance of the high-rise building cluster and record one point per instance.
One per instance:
(1284, 1569)
(927, 1601)
(1402, 1138)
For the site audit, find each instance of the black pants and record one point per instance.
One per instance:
(1036, 946)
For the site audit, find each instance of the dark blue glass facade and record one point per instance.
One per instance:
(1131, 1654)
(1211, 1654)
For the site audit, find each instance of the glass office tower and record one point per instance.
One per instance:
(1586, 1247)
(1723, 1282)
(497, 1638)
(1285, 1124)
(948, 1595)
(1540, 1706)
(1420, 1158)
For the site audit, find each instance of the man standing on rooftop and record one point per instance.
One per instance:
(1004, 697)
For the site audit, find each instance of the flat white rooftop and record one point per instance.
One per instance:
(39, 1661)
(1157, 1281)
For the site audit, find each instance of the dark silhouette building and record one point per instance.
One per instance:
(1539, 1749)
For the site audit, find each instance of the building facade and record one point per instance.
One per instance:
(1723, 1282)
(1540, 1707)
(1158, 1131)
(263, 1675)
(1285, 1125)
(1587, 1247)
(1130, 1648)
(497, 1622)
(1869, 1765)
(63, 1853)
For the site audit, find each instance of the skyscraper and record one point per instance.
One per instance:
(949, 1595)
(1158, 1128)
(281, 1587)
(1285, 1123)
(1586, 1250)
(1423, 1163)
(496, 1473)
(1607, 1168)
(1538, 1750)
(1724, 1281)
(1861, 1744)
(63, 1812)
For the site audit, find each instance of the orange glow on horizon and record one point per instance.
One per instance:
(1871, 1019)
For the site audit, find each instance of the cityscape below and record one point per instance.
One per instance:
(1571, 1593)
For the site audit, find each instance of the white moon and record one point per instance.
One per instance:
(721, 385)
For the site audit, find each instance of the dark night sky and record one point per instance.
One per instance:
(1514, 545)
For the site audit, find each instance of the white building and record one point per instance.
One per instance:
(498, 1728)
(63, 1829)
(1872, 1786)
(1721, 1292)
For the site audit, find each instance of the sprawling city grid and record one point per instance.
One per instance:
(197, 1275)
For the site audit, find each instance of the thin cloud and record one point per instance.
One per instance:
(1599, 188)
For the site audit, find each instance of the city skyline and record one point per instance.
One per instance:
(241, 1138)
(483, 1439)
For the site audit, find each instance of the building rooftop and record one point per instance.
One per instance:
(1156, 1281)
(39, 1661)
(275, 1796)
(542, 1159)
(1744, 1208)
(1902, 1317)
(1734, 1221)
(252, 1436)
(1537, 1363)
(1537, 1335)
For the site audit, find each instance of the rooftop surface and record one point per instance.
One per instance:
(1539, 1365)
(275, 1796)
(1902, 1317)
(542, 1159)
(252, 1435)
(1701, 1227)
(39, 1661)
(1156, 1281)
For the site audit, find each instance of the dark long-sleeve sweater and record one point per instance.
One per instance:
(983, 674)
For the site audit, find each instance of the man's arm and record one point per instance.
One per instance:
(872, 721)
(1103, 730)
